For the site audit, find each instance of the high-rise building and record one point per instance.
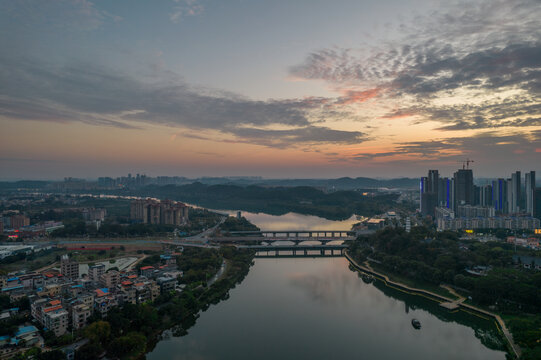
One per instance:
(485, 195)
(464, 187)
(159, 212)
(499, 195)
(513, 193)
(529, 192)
(537, 203)
(429, 192)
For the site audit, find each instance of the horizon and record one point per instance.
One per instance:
(262, 178)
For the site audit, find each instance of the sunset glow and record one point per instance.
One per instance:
(206, 88)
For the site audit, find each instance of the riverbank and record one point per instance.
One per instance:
(514, 349)
(172, 313)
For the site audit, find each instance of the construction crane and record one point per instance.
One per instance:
(465, 163)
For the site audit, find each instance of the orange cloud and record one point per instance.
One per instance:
(354, 96)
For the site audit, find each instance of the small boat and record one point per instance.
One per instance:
(416, 323)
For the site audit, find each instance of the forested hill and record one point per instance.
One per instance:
(337, 205)
(343, 183)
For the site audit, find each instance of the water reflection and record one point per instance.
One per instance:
(293, 221)
(308, 308)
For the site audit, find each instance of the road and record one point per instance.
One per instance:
(203, 236)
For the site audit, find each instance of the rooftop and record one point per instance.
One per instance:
(25, 330)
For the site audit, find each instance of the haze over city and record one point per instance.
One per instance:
(276, 89)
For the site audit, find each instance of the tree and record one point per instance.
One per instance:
(131, 343)
(98, 332)
(89, 351)
(52, 355)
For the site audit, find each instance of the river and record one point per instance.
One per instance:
(293, 221)
(317, 308)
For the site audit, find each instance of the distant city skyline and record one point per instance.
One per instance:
(309, 89)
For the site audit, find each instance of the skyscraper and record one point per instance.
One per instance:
(529, 192)
(444, 193)
(513, 193)
(499, 195)
(464, 187)
(485, 195)
(429, 192)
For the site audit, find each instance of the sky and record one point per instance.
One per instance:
(279, 89)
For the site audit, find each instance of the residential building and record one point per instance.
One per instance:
(147, 271)
(429, 193)
(95, 272)
(56, 320)
(166, 284)
(529, 192)
(19, 221)
(80, 314)
(499, 195)
(92, 214)
(464, 193)
(69, 268)
(110, 279)
(149, 211)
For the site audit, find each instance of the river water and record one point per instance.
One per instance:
(317, 308)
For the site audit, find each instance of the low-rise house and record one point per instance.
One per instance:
(166, 284)
(27, 334)
(110, 279)
(104, 301)
(129, 294)
(95, 272)
(86, 299)
(56, 319)
(80, 314)
(147, 271)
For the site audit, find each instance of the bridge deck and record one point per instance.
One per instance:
(279, 238)
(292, 247)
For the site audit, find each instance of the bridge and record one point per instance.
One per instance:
(295, 236)
(295, 250)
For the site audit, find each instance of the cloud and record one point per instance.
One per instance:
(185, 8)
(484, 57)
(501, 148)
(64, 15)
(303, 135)
(34, 90)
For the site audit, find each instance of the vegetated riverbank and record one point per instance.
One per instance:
(133, 330)
(512, 349)
(503, 289)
